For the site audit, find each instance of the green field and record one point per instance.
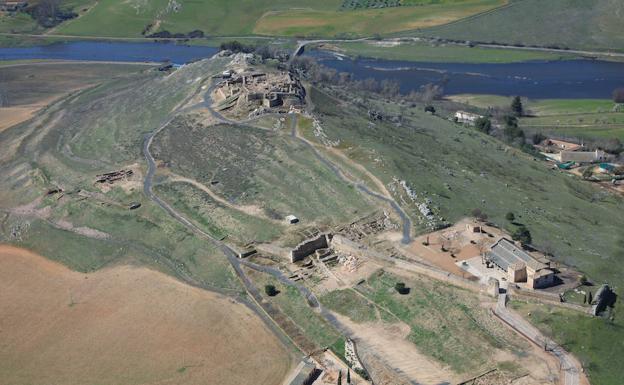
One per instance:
(562, 118)
(115, 18)
(592, 340)
(423, 52)
(590, 25)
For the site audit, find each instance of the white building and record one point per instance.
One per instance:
(466, 117)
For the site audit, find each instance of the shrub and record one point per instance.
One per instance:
(401, 289)
(430, 108)
(484, 124)
(270, 290)
(522, 234)
(618, 95)
(510, 216)
(479, 214)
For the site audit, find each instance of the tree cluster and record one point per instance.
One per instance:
(48, 13)
(195, 34)
(318, 73)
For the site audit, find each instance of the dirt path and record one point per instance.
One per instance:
(389, 344)
(571, 369)
(125, 325)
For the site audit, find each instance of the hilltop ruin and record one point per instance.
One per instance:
(247, 92)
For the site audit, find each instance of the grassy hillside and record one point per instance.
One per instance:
(590, 25)
(90, 132)
(276, 17)
(593, 340)
(460, 169)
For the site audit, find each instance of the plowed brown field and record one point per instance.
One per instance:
(125, 325)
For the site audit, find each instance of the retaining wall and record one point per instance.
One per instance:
(308, 247)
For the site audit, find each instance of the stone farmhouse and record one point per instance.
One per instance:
(519, 265)
(583, 156)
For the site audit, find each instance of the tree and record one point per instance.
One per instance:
(516, 106)
(618, 95)
(589, 297)
(479, 214)
(348, 377)
(270, 290)
(510, 216)
(538, 138)
(484, 124)
(339, 378)
(522, 234)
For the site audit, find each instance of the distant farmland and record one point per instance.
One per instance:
(279, 17)
(591, 25)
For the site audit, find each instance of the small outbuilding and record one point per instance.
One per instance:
(291, 219)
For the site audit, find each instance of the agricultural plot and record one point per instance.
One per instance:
(125, 325)
(115, 18)
(563, 118)
(248, 166)
(591, 25)
(366, 22)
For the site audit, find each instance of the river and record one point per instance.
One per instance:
(564, 79)
(561, 79)
(111, 51)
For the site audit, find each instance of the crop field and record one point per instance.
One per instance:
(367, 22)
(591, 25)
(591, 339)
(125, 325)
(248, 166)
(460, 169)
(423, 52)
(326, 18)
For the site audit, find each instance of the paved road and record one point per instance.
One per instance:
(568, 364)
